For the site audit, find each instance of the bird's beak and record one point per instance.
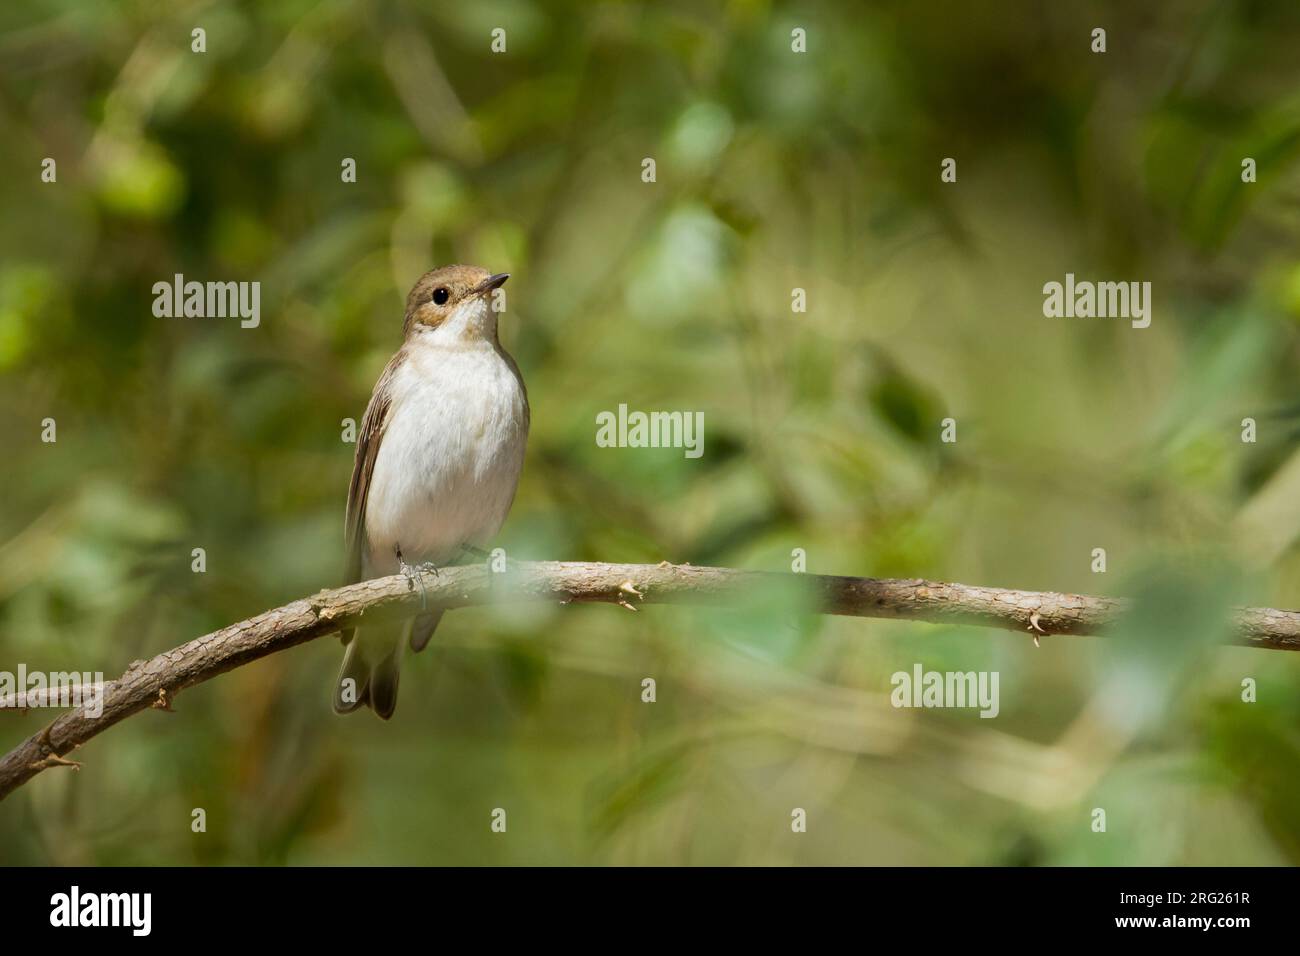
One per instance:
(491, 282)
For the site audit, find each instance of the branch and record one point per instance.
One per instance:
(155, 683)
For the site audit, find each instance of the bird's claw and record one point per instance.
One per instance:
(414, 578)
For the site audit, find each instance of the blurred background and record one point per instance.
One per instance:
(775, 170)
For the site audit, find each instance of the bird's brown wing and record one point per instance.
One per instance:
(363, 466)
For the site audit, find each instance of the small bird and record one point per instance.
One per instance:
(437, 464)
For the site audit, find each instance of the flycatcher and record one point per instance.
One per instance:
(437, 463)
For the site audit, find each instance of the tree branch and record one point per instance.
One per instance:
(154, 683)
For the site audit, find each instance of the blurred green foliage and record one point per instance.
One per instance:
(775, 170)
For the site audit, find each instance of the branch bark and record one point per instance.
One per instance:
(155, 683)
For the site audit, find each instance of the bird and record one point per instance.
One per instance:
(437, 464)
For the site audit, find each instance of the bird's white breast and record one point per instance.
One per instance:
(450, 456)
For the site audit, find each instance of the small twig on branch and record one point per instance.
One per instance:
(155, 683)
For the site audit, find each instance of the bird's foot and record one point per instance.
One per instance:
(414, 576)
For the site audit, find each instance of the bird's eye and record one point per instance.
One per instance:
(441, 295)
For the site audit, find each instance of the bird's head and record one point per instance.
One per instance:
(454, 303)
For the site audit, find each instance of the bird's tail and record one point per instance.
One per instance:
(371, 667)
(372, 664)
